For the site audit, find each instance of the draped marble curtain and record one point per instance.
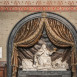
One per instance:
(30, 33)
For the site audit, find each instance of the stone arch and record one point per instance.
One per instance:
(28, 18)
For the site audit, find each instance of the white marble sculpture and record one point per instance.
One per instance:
(42, 61)
(27, 65)
(59, 65)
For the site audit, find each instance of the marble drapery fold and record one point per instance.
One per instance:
(58, 33)
(27, 36)
(62, 37)
(30, 33)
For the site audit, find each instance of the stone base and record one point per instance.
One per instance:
(44, 73)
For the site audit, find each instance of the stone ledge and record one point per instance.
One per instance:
(44, 73)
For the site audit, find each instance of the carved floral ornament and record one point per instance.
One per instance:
(30, 33)
(38, 5)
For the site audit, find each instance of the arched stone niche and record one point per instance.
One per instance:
(14, 31)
